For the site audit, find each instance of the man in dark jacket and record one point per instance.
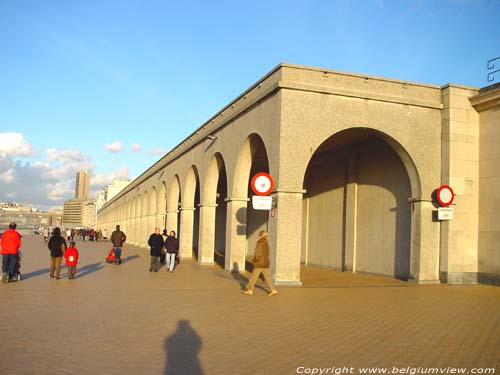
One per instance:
(118, 238)
(172, 246)
(10, 244)
(261, 265)
(156, 243)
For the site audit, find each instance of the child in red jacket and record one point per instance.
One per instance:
(71, 255)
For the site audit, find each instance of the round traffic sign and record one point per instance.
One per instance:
(262, 183)
(445, 195)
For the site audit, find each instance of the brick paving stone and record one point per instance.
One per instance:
(126, 320)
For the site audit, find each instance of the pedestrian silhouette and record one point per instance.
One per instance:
(182, 348)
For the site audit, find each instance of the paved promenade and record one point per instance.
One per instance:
(126, 320)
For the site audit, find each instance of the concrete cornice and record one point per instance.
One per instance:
(487, 100)
(360, 95)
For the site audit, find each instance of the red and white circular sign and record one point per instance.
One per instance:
(445, 195)
(262, 183)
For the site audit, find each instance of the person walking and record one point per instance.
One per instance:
(156, 243)
(163, 255)
(57, 246)
(45, 234)
(261, 265)
(118, 238)
(172, 246)
(68, 234)
(10, 244)
(71, 256)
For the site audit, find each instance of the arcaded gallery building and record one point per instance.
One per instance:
(356, 162)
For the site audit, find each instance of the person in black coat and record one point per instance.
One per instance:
(56, 245)
(156, 243)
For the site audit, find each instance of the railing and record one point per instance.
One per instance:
(491, 65)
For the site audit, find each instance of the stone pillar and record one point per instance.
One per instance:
(285, 228)
(349, 255)
(236, 234)
(172, 222)
(424, 263)
(207, 234)
(186, 235)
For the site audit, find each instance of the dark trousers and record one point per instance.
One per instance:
(9, 264)
(155, 263)
(71, 272)
(55, 266)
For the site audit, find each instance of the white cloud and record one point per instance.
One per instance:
(114, 147)
(64, 164)
(14, 144)
(157, 151)
(136, 147)
(8, 176)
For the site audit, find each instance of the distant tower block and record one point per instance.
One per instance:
(82, 185)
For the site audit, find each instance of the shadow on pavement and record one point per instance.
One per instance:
(89, 268)
(129, 258)
(29, 275)
(182, 349)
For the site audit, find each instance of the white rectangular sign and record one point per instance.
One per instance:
(262, 202)
(445, 213)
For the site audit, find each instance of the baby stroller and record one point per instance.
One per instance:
(111, 256)
(16, 274)
(17, 268)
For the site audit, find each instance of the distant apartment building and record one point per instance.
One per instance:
(109, 191)
(82, 187)
(80, 211)
(27, 218)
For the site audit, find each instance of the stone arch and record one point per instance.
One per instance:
(143, 220)
(356, 209)
(152, 210)
(244, 223)
(190, 217)
(173, 204)
(213, 213)
(161, 215)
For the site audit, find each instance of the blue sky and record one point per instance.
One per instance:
(113, 85)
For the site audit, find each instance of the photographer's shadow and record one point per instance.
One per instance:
(182, 349)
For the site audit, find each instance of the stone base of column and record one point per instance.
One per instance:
(424, 282)
(288, 282)
(206, 263)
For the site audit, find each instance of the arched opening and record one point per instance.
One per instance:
(215, 213)
(190, 215)
(161, 219)
(173, 205)
(356, 213)
(152, 211)
(252, 160)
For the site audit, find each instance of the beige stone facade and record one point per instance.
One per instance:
(356, 162)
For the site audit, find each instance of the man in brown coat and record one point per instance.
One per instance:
(261, 265)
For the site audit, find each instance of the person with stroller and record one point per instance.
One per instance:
(118, 238)
(10, 243)
(57, 246)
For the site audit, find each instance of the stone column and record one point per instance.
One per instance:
(350, 216)
(285, 228)
(236, 234)
(424, 263)
(172, 221)
(186, 235)
(207, 234)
